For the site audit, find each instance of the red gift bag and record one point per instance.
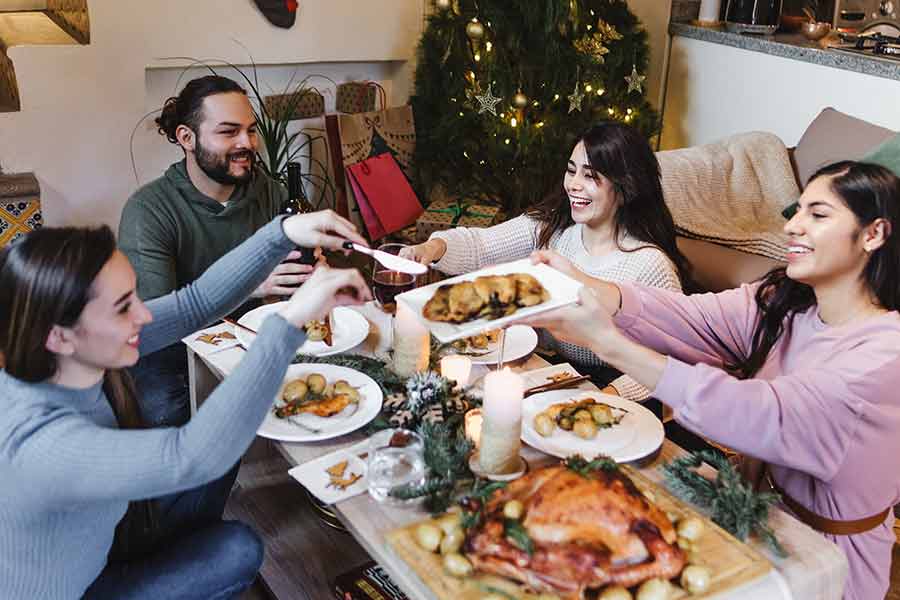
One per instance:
(386, 201)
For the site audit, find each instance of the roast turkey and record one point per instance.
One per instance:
(588, 529)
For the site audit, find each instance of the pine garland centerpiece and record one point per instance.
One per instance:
(732, 504)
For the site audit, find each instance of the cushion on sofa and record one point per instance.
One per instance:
(834, 136)
(887, 155)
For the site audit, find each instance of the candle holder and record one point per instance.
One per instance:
(520, 469)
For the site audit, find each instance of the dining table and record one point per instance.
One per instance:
(813, 569)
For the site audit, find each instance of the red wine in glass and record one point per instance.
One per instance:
(387, 284)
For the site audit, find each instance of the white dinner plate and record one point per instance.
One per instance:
(639, 434)
(562, 288)
(348, 329)
(521, 340)
(310, 428)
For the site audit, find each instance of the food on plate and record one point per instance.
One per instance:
(215, 338)
(489, 296)
(477, 342)
(695, 579)
(583, 526)
(654, 589)
(583, 416)
(336, 476)
(314, 395)
(560, 377)
(319, 331)
(457, 565)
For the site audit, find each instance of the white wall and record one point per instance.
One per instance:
(654, 14)
(81, 103)
(715, 91)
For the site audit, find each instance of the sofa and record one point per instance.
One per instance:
(830, 137)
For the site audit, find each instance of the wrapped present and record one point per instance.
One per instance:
(307, 104)
(20, 206)
(355, 97)
(444, 214)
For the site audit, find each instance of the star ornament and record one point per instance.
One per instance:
(487, 102)
(635, 81)
(575, 99)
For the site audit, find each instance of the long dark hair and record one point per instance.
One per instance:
(45, 280)
(187, 107)
(871, 192)
(622, 155)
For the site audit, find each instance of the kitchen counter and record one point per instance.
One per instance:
(793, 46)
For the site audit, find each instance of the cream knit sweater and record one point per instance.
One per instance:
(469, 249)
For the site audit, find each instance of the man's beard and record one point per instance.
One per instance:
(216, 166)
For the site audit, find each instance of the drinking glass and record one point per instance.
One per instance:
(386, 284)
(396, 458)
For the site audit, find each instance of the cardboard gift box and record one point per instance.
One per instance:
(446, 214)
(307, 104)
(20, 206)
(355, 97)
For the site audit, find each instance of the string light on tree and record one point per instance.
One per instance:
(442, 4)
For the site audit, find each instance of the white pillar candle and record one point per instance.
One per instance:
(412, 344)
(456, 368)
(502, 422)
(473, 426)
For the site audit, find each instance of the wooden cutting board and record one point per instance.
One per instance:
(731, 562)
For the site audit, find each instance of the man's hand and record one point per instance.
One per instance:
(284, 278)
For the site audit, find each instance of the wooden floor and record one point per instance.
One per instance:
(303, 555)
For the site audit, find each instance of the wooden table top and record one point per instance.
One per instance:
(814, 569)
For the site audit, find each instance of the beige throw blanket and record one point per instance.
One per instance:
(731, 192)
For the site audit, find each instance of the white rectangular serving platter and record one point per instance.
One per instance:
(562, 288)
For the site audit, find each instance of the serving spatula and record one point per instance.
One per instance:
(391, 261)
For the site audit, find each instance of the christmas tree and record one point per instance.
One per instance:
(504, 88)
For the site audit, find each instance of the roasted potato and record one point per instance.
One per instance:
(316, 383)
(583, 414)
(585, 428)
(294, 391)
(602, 414)
(544, 425)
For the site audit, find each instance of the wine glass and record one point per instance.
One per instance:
(386, 283)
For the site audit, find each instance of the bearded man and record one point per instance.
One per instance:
(175, 227)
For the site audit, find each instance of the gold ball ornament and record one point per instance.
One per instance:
(442, 4)
(475, 30)
(520, 100)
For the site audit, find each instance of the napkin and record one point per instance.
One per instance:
(325, 476)
(545, 375)
(212, 339)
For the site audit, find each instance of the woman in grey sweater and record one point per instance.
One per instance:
(72, 453)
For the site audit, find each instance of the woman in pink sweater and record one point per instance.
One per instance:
(800, 370)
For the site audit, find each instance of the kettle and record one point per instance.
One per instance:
(753, 16)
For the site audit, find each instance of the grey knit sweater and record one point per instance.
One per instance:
(469, 249)
(68, 472)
